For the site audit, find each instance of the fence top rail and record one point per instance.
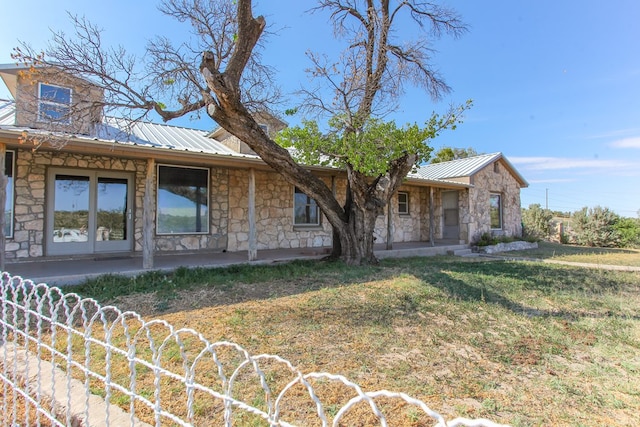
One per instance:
(72, 331)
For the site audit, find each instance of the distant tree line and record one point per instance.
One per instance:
(598, 227)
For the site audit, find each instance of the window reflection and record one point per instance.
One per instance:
(112, 209)
(183, 203)
(71, 209)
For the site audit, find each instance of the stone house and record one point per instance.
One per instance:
(80, 184)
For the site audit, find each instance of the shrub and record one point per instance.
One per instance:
(595, 227)
(628, 230)
(487, 239)
(536, 222)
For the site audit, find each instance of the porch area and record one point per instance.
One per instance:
(72, 270)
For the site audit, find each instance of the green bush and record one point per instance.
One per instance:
(536, 222)
(628, 230)
(595, 227)
(487, 239)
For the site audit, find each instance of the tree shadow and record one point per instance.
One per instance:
(539, 277)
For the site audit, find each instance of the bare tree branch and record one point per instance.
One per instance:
(381, 64)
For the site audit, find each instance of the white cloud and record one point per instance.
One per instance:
(560, 163)
(626, 143)
(550, 181)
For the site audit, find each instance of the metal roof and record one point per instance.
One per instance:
(7, 113)
(463, 168)
(457, 168)
(128, 132)
(162, 136)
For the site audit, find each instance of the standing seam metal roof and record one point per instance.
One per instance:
(148, 134)
(7, 113)
(464, 168)
(457, 168)
(164, 136)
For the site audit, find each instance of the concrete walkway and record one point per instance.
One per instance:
(571, 263)
(68, 271)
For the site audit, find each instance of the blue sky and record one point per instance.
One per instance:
(555, 83)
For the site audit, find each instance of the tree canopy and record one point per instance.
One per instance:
(446, 154)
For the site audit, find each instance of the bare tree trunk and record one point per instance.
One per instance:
(389, 244)
(356, 237)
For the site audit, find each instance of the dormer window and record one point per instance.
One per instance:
(54, 103)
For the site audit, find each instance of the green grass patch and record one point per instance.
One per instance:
(574, 253)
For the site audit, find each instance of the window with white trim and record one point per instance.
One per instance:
(8, 207)
(403, 203)
(54, 103)
(495, 211)
(183, 200)
(305, 209)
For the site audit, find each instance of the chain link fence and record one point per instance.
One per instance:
(67, 361)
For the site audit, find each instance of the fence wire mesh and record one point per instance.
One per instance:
(67, 361)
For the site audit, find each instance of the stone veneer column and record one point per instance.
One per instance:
(148, 214)
(253, 250)
(3, 199)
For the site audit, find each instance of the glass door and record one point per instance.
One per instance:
(89, 212)
(70, 214)
(113, 213)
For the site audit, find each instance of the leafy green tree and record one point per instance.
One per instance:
(628, 230)
(227, 81)
(536, 222)
(595, 227)
(446, 154)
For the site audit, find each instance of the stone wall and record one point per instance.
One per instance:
(84, 111)
(30, 200)
(228, 208)
(500, 181)
(274, 215)
(413, 227)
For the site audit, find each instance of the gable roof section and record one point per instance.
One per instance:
(9, 74)
(7, 113)
(466, 168)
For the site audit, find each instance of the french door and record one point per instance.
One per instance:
(88, 212)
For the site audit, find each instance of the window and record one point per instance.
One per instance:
(183, 200)
(54, 103)
(305, 209)
(8, 207)
(495, 206)
(264, 127)
(403, 203)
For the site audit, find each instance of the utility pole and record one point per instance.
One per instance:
(546, 198)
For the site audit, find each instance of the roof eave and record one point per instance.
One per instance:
(523, 182)
(437, 183)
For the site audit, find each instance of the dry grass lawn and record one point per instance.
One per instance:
(520, 343)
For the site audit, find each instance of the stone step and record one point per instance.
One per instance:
(463, 252)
